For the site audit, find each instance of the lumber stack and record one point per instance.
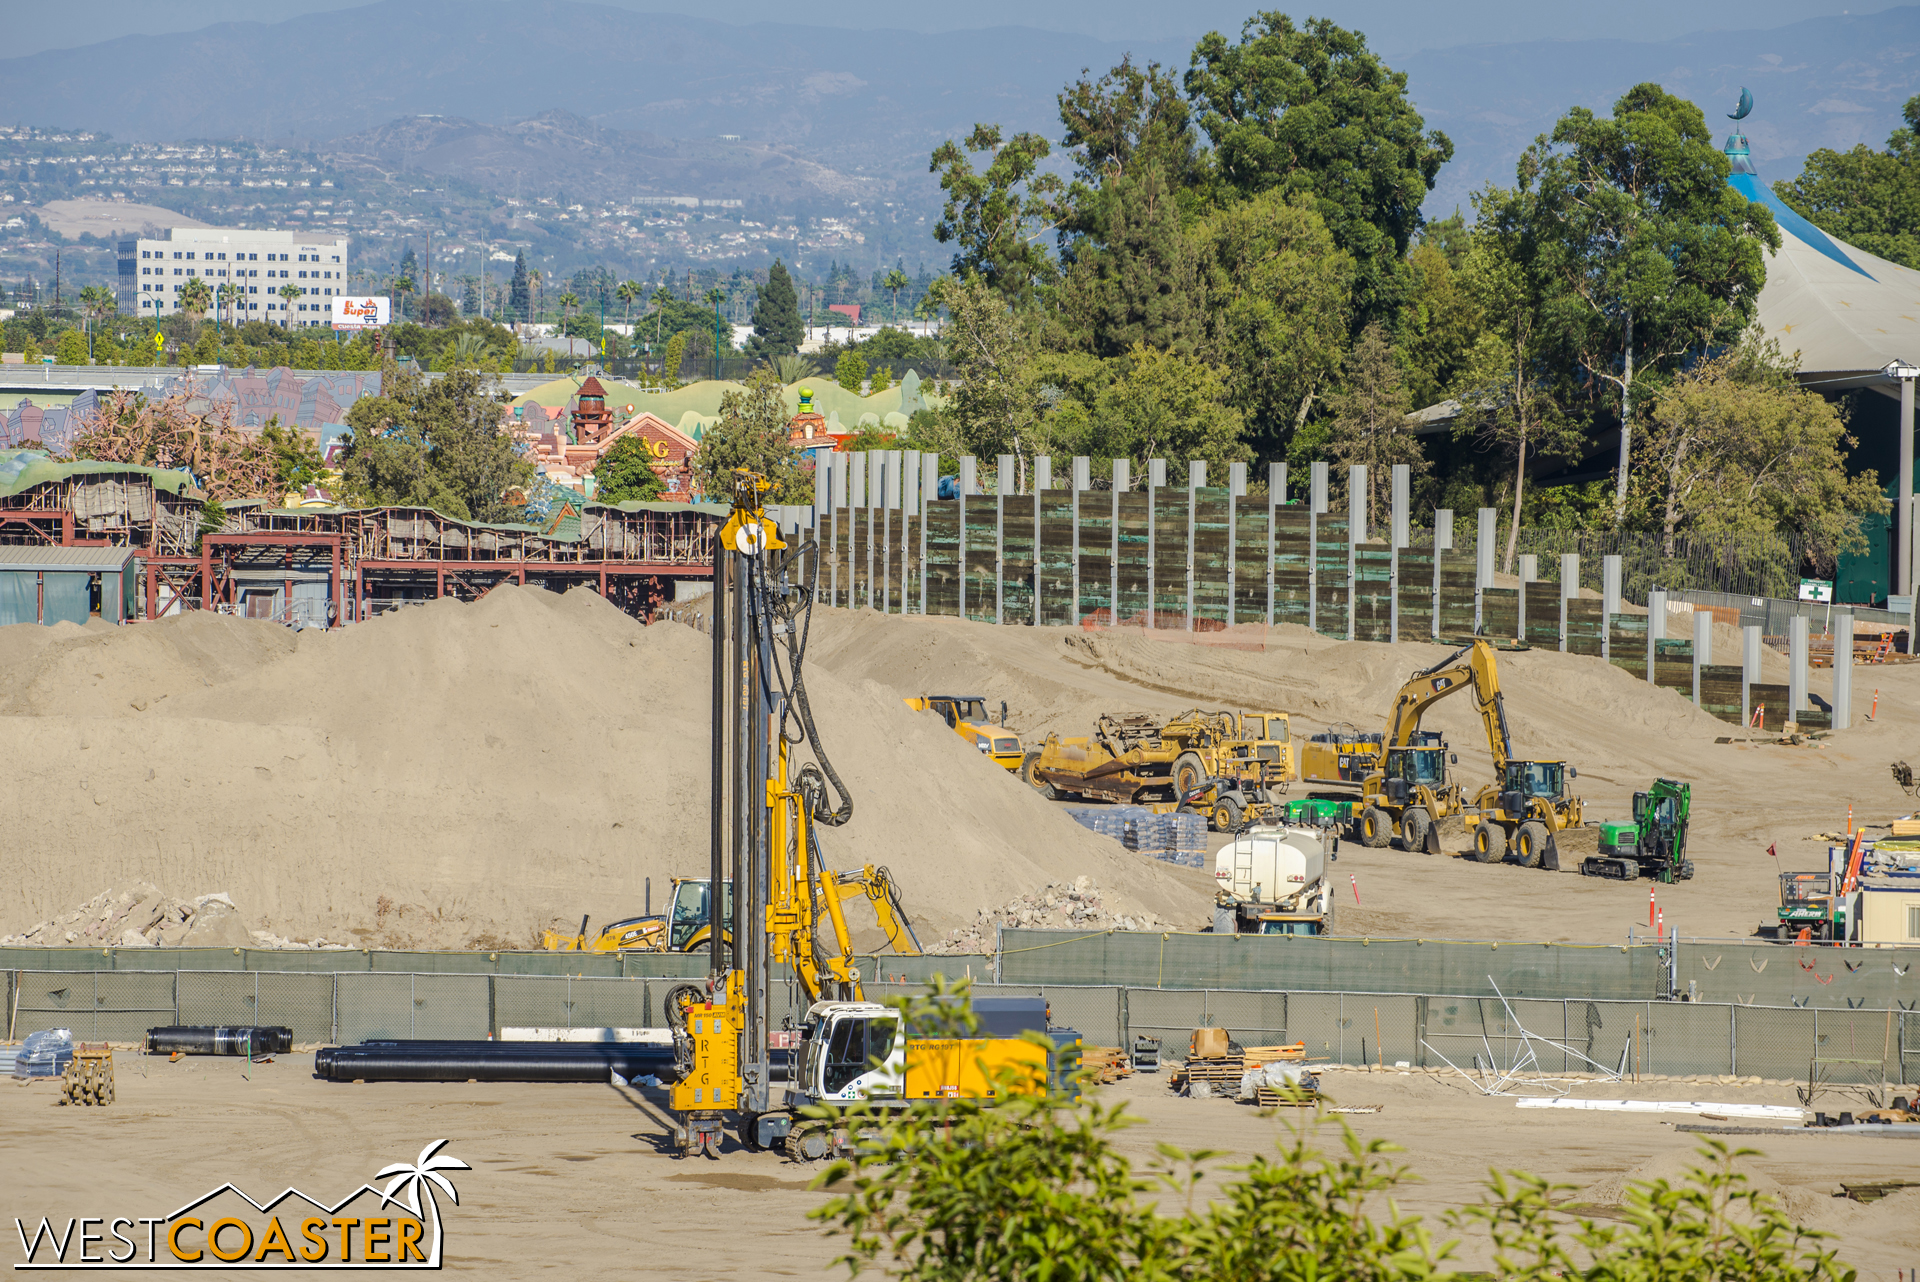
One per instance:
(1106, 1064)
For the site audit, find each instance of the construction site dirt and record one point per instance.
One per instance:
(462, 775)
(568, 1177)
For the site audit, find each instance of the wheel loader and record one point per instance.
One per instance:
(1412, 792)
(1519, 815)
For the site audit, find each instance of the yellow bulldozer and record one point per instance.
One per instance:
(1130, 759)
(1413, 789)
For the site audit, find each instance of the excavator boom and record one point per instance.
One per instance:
(1447, 677)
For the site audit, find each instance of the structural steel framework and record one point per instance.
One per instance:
(365, 556)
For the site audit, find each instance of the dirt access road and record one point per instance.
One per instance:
(566, 1179)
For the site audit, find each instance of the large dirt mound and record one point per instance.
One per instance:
(464, 774)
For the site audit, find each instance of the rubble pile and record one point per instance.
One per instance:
(1058, 907)
(144, 916)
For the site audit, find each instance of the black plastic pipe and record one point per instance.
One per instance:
(221, 1039)
(490, 1061)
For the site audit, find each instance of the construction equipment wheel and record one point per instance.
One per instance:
(1189, 772)
(1413, 828)
(1226, 816)
(1489, 842)
(1376, 827)
(1530, 843)
(1040, 786)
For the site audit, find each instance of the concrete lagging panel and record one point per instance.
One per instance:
(1200, 558)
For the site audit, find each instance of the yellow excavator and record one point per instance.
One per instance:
(766, 813)
(685, 928)
(1412, 790)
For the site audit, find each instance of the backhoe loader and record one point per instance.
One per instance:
(766, 811)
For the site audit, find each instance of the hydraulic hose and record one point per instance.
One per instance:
(797, 614)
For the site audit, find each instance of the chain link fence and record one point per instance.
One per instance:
(1415, 1029)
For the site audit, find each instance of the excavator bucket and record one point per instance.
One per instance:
(1550, 857)
(1432, 843)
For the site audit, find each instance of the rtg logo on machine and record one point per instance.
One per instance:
(397, 1228)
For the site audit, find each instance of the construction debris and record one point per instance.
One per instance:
(1059, 907)
(144, 916)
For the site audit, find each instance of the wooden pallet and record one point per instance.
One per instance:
(1258, 1055)
(1269, 1097)
(1222, 1070)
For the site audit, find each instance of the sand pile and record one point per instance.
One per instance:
(463, 775)
(1061, 907)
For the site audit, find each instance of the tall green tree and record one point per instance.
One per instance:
(997, 218)
(777, 327)
(520, 291)
(438, 445)
(1129, 119)
(1278, 293)
(1312, 111)
(1438, 326)
(1653, 254)
(997, 407)
(1865, 197)
(1505, 384)
(752, 433)
(1142, 280)
(1736, 446)
(1370, 426)
(1166, 405)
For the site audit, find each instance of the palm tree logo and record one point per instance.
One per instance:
(410, 1179)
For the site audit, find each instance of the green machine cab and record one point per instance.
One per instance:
(1654, 845)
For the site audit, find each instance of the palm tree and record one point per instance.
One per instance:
(288, 293)
(568, 301)
(195, 298)
(403, 285)
(97, 302)
(792, 368)
(628, 292)
(410, 1179)
(468, 349)
(226, 295)
(895, 281)
(537, 279)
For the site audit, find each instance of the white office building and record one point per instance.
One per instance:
(254, 267)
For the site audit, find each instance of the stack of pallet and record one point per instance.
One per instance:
(1106, 1064)
(1222, 1073)
(1273, 1097)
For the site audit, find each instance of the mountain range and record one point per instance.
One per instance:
(651, 101)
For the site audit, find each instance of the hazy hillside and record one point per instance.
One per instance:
(615, 103)
(1825, 82)
(558, 151)
(859, 101)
